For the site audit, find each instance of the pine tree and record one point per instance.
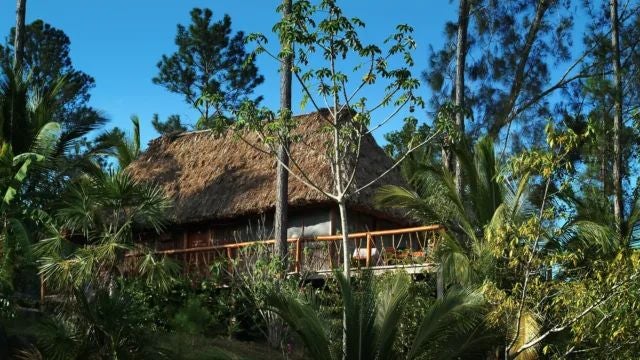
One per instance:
(172, 125)
(514, 44)
(210, 67)
(46, 58)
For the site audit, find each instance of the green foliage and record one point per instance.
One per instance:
(193, 318)
(117, 144)
(435, 199)
(510, 55)
(98, 327)
(170, 126)
(373, 312)
(47, 59)
(28, 111)
(15, 239)
(210, 67)
(254, 278)
(411, 134)
(101, 213)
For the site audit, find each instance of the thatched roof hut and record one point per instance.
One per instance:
(212, 177)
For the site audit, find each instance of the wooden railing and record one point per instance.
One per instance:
(385, 249)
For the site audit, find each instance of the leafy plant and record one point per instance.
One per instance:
(193, 318)
(372, 318)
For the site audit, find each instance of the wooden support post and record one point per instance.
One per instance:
(331, 248)
(356, 253)
(185, 241)
(369, 240)
(411, 249)
(298, 255)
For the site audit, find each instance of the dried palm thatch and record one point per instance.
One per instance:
(211, 177)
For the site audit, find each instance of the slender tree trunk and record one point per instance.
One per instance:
(18, 44)
(447, 161)
(439, 283)
(346, 258)
(461, 57)
(282, 179)
(603, 151)
(618, 210)
(344, 223)
(18, 55)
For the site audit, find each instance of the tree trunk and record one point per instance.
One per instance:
(603, 151)
(282, 179)
(18, 44)
(439, 283)
(346, 266)
(447, 154)
(618, 210)
(461, 56)
(520, 71)
(344, 228)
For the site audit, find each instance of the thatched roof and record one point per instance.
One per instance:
(211, 177)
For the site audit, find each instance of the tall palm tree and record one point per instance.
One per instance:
(373, 317)
(488, 202)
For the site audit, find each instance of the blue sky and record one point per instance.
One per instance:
(119, 42)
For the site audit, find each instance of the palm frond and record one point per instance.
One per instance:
(458, 312)
(305, 321)
(115, 143)
(159, 274)
(46, 140)
(586, 235)
(401, 198)
(59, 338)
(391, 302)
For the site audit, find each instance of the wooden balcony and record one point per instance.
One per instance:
(410, 249)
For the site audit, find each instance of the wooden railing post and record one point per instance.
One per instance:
(369, 240)
(230, 256)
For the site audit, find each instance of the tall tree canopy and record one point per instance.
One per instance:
(47, 58)
(210, 67)
(512, 47)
